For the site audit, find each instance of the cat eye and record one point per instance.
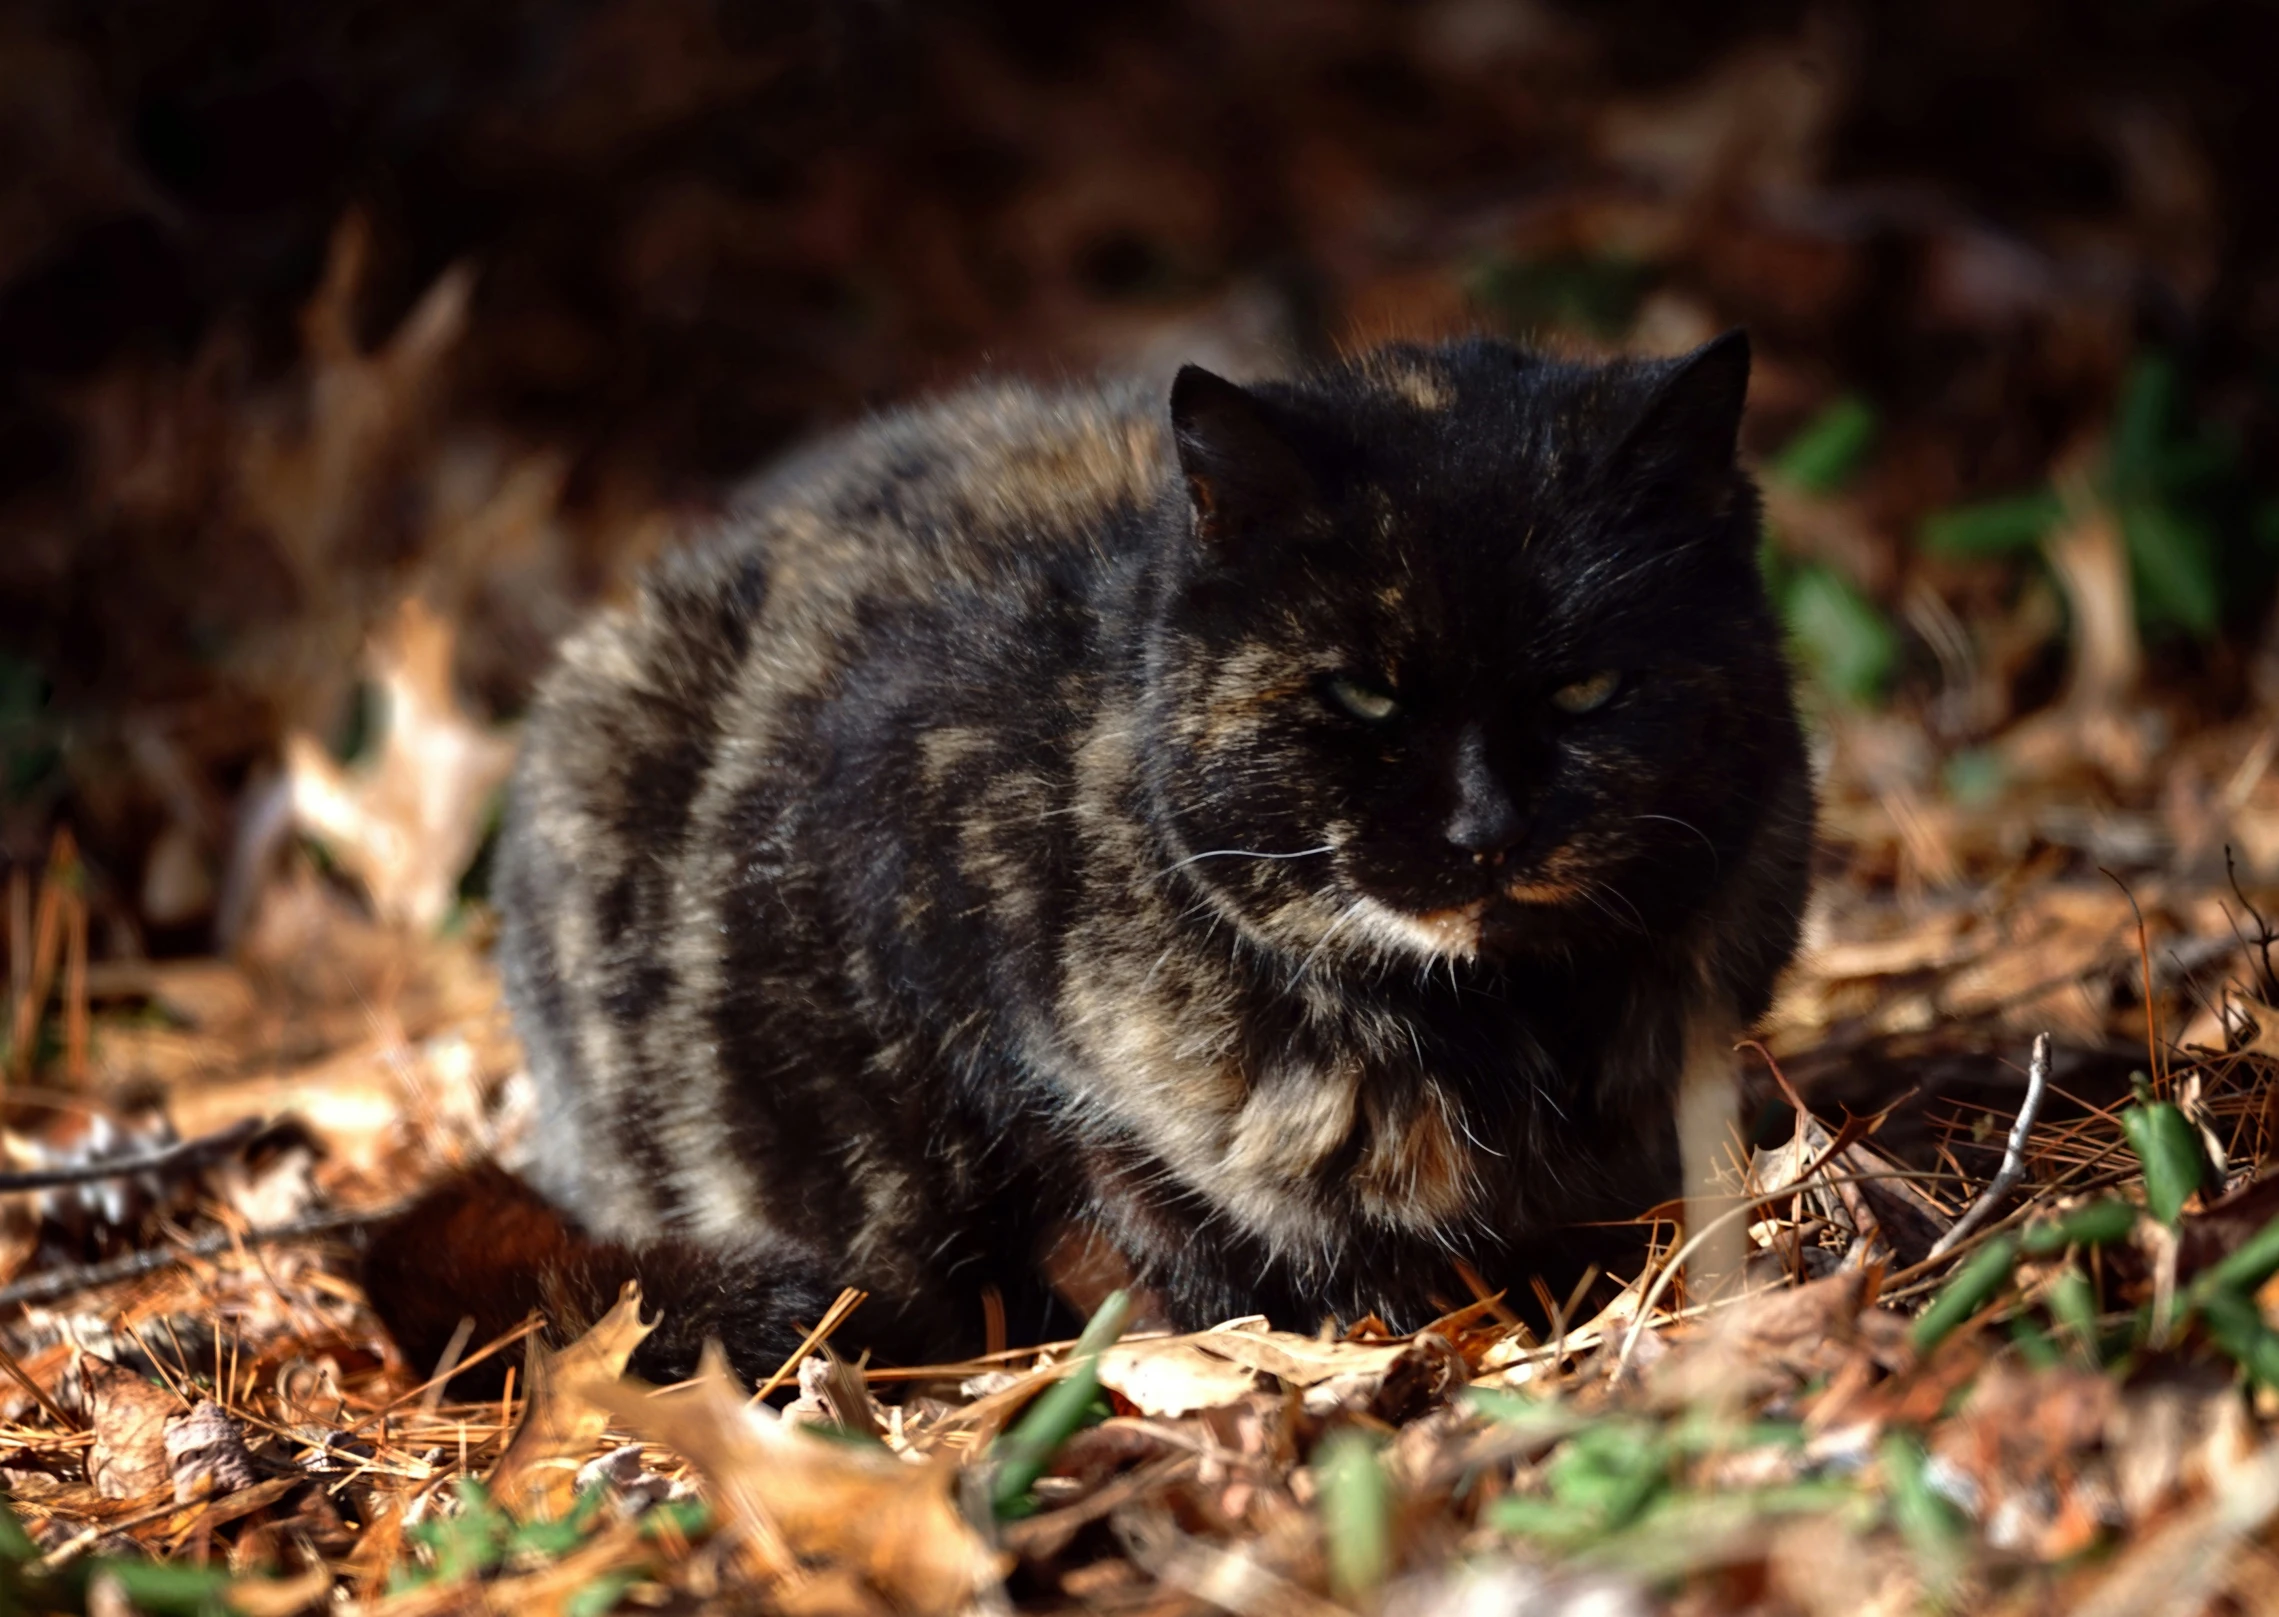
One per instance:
(1364, 702)
(1586, 695)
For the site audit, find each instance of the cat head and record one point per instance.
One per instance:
(1462, 650)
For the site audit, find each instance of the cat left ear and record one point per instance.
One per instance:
(1241, 471)
(1690, 430)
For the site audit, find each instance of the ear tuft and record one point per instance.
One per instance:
(1241, 470)
(1690, 429)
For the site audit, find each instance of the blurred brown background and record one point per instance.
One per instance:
(306, 310)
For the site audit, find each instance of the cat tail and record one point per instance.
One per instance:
(481, 1251)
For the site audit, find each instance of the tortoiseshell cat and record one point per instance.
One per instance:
(1296, 836)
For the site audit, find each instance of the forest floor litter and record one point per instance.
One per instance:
(2071, 1407)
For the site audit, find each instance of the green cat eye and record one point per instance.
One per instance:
(1364, 702)
(1586, 695)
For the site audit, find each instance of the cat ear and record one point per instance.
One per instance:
(1688, 435)
(1241, 470)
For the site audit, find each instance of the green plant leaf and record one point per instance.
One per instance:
(1974, 1285)
(2173, 559)
(1829, 449)
(2237, 1327)
(1025, 1451)
(2009, 526)
(1552, 1519)
(1599, 294)
(2097, 1223)
(2073, 1304)
(168, 1588)
(599, 1596)
(1846, 642)
(1975, 776)
(2142, 417)
(1356, 1511)
(1614, 1468)
(1929, 1522)
(2168, 1148)
(15, 1544)
(2034, 1345)
(2248, 1265)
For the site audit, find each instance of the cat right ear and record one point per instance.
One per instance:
(1688, 435)
(1242, 473)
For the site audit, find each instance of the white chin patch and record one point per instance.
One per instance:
(1450, 934)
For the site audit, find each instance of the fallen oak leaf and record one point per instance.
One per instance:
(1776, 1340)
(1301, 1361)
(128, 1416)
(408, 823)
(796, 1498)
(537, 1474)
(1171, 1375)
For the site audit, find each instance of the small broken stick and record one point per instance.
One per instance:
(182, 1154)
(2013, 1154)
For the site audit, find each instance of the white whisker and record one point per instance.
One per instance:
(1241, 853)
(1690, 826)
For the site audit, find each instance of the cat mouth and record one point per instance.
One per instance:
(1458, 929)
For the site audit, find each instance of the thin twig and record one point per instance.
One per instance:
(2159, 1073)
(2013, 1155)
(497, 1344)
(1653, 1295)
(848, 1300)
(447, 1365)
(181, 1154)
(40, 1395)
(55, 1283)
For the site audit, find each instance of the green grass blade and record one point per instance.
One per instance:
(1025, 1451)
(1975, 1285)
(1356, 1512)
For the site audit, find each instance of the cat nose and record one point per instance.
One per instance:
(1486, 822)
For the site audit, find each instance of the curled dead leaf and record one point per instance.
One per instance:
(1167, 1376)
(562, 1418)
(128, 1416)
(806, 1504)
(1301, 1361)
(408, 823)
(206, 1451)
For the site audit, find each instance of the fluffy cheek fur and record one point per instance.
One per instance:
(1254, 822)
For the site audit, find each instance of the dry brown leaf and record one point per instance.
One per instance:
(128, 1416)
(1167, 1376)
(2173, 1571)
(2172, 1433)
(207, 1514)
(206, 1451)
(797, 1498)
(1779, 1338)
(2023, 1444)
(561, 1421)
(407, 824)
(1301, 1361)
(280, 1597)
(19, 1229)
